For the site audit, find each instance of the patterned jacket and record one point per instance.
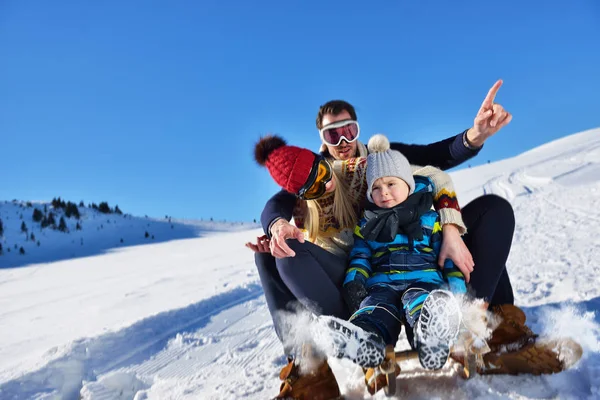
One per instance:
(374, 263)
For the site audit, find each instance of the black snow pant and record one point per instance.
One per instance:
(314, 277)
(311, 280)
(490, 222)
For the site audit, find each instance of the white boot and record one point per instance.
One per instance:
(342, 339)
(437, 328)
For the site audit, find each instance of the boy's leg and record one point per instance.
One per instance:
(364, 337)
(380, 313)
(435, 317)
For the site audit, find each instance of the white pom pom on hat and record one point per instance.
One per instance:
(378, 143)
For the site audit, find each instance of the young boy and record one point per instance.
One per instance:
(393, 274)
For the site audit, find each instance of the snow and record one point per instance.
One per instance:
(183, 316)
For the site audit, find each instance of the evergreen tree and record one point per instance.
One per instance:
(81, 204)
(77, 227)
(62, 225)
(58, 203)
(71, 210)
(32, 237)
(104, 208)
(0, 249)
(37, 215)
(1, 228)
(118, 211)
(22, 250)
(146, 235)
(51, 220)
(23, 227)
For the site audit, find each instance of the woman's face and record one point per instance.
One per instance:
(330, 186)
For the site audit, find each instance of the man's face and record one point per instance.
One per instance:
(389, 191)
(345, 150)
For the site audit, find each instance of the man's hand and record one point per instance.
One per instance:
(490, 119)
(261, 246)
(455, 249)
(280, 231)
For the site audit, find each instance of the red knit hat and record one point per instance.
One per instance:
(288, 165)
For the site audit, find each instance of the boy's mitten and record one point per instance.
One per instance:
(354, 292)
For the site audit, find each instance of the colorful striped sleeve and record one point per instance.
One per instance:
(455, 278)
(360, 259)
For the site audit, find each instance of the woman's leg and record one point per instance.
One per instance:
(315, 277)
(490, 222)
(279, 298)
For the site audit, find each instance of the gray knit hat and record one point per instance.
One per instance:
(382, 161)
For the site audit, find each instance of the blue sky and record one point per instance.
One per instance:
(156, 106)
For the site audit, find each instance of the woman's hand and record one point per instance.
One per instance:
(280, 231)
(454, 248)
(261, 246)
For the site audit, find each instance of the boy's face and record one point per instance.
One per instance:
(389, 191)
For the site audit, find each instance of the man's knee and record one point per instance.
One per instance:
(493, 206)
(501, 208)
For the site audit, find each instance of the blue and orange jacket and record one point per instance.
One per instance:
(395, 263)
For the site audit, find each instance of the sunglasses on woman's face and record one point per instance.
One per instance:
(320, 175)
(333, 134)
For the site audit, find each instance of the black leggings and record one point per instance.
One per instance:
(313, 278)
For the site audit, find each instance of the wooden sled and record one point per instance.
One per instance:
(393, 358)
(472, 356)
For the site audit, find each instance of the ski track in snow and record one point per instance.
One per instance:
(224, 346)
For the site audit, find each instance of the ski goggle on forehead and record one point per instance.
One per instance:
(333, 134)
(320, 174)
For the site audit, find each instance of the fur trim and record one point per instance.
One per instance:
(265, 146)
(378, 143)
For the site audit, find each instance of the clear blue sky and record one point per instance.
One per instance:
(156, 106)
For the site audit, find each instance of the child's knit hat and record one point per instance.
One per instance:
(288, 165)
(382, 161)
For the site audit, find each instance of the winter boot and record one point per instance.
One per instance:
(318, 383)
(343, 339)
(515, 349)
(437, 329)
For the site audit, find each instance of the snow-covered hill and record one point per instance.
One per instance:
(93, 233)
(186, 319)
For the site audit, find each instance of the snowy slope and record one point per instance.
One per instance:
(186, 319)
(99, 233)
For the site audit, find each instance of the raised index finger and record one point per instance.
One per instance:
(489, 99)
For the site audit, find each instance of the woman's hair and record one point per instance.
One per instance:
(344, 211)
